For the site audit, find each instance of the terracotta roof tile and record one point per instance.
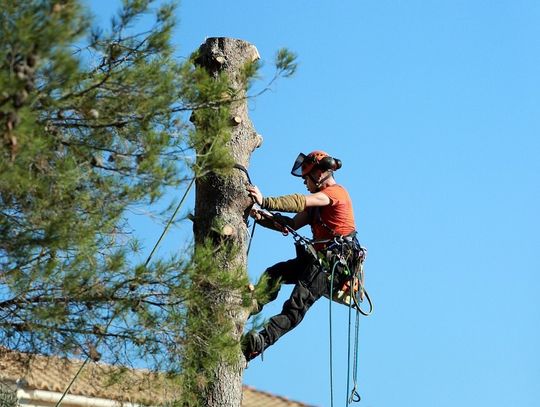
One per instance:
(257, 398)
(137, 385)
(96, 379)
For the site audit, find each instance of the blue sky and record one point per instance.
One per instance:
(433, 107)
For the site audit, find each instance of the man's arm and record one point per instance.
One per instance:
(288, 203)
(317, 199)
(300, 220)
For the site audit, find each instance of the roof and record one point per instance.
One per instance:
(97, 380)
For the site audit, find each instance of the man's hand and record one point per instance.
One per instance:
(272, 221)
(254, 193)
(255, 214)
(282, 222)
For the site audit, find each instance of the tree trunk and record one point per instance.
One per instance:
(221, 210)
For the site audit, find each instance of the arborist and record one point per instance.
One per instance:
(328, 210)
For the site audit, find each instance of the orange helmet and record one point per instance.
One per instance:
(304, 164)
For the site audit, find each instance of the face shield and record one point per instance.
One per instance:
(300, 163)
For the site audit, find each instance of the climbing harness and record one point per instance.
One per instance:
(349, 255)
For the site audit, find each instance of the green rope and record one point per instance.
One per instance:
(145, 264)
(170, 221)
(330, 332)
(354, 396)
(72, 381)
(82, 366)
(349, 340)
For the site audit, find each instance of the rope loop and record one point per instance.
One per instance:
(354, 397)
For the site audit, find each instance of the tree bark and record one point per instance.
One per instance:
(224, 199)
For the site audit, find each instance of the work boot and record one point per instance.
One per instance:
(252, 345)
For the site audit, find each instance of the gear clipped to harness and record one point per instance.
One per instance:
(355, 295)
(347, 259)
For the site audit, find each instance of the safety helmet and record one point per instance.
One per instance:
(304, 164)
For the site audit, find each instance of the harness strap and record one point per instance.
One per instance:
(315, 215)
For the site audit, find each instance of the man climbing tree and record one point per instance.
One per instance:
(328, 210)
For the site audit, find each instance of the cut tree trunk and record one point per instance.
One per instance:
(224, 199)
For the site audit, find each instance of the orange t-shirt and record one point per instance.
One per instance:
(338, 216)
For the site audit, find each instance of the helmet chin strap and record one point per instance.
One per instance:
(318, 184)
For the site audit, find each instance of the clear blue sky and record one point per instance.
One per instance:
(433, 107)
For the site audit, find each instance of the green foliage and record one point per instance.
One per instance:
(285, 66)
(88, 128)
(249, 73)
(265, 288)
(210, 97)
(93, 122)
(209, 325)
(286, 63)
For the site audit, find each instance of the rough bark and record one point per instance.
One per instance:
(224, 198)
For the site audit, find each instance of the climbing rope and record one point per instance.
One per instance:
(330, 334)
(169, 223)
(245, 171)
(353, 302)
(362, 292)
(165, 230)
(353, 395)
(251, 237)
(351, 282)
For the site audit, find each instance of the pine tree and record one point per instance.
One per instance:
(90, 128)
(94, 122)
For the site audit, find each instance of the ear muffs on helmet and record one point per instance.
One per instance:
(329, 163)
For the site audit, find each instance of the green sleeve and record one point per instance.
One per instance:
(286, 203)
